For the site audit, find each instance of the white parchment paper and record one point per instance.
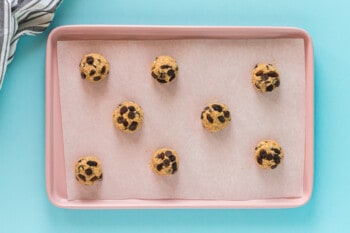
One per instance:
(212, 166)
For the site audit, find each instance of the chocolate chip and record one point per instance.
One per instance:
(221, 119)
(277, 151)
(171, 72)
(82, 177)
(172, 158)
(267, 67)
(99, 60)
(256, 66)
(125, 123)
(101, 177)
(103, 70)
(120, 120)
(202, 115)
(227, 114)
(171, 78)
(166, 163)
(131, 108)
(131, 115)
(269, 88)
(161, 81)
(273, 166)
(257, 86)
(177, 68)
(273, 74)
(92, 72)
(174, 166)
(123, 110)
(91, 163)
(154, 75)
(259, 73)
(133, 126)
(97, 78)
(262, 153)
(210, 119)
(269, 157)
(259, 160)
(159, 167)
(276, 159)
(89, 60)
(164, 66)
(217, 107)
(264, 77)
(83, 75)
(168, 153)
(161, 155)
(277, 83)
(206, 108)
(88, 171)
(93, 179)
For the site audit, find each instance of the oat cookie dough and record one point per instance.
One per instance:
(88, 170)
(164, 69)
(215, 117)
(265, 77)
(94, 67)
(165, 161)
(128, 117)
(268, 154)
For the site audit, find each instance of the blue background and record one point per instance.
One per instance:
(24, 206)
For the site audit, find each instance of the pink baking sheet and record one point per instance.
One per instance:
(213, 167)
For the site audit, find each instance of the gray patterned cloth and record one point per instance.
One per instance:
(18, 17)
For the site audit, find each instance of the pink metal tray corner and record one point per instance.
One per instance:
(55, 168)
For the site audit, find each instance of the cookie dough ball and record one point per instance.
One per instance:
(94, 67)
(165, 161)
(265, 77)
(128, 117)
(215, 117)
(88, 170)
(164, 69)
(268, 154)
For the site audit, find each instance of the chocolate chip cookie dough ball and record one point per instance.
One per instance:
(128, 117)
(164, 69)
(165, 161)
(94, 67)
(215, 117)
(88, 170)
(265, 77)
(268, 154)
